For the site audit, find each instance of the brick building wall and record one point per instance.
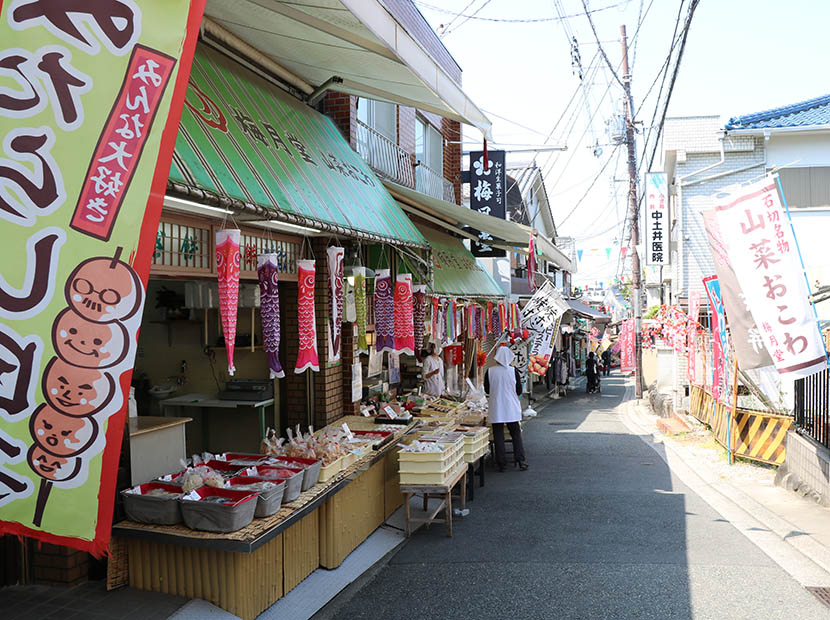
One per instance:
(342, 109)
(406, 128)
(452, 154)
(58, 565)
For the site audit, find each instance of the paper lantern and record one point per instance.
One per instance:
(334, 256)
(306, 317)
(384, 306)
(403, 313)
(227, 267)
(360, 308)
(269, 296)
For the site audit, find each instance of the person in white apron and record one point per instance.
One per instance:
(433, 371)
(504, 385)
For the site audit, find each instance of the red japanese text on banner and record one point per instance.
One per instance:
(93, 110)
(627, 353)
(763, 254)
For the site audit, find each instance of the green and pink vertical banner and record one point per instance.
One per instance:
(90, 100)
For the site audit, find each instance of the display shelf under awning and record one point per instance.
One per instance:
(513, 236)
(356, 40)
(245, 143)
(455, 269)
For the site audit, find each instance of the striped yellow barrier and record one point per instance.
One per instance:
(756, 435)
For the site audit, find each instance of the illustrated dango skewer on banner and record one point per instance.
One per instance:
(88, 336)
(334, 256)
(384, 305)
(227, 267)
(306, 317)
(360, 308)
(268, 273)
(403, 313)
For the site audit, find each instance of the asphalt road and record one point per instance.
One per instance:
(597, 528)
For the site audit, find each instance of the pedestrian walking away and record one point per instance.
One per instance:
(592, 374)
(606, 362)
(503, 384)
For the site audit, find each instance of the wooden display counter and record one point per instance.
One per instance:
(246, 571)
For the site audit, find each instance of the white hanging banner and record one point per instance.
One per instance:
(544, 309)
(763, 254)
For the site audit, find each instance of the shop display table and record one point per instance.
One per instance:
(205, 403)
(442, 491)
(246, 571)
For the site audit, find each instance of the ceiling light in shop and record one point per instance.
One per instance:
(292, 228)
(172, 201)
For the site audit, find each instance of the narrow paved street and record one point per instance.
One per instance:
(598, 527)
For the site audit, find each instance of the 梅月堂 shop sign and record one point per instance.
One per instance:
(90, 100)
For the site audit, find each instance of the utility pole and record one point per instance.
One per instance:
(633, 217)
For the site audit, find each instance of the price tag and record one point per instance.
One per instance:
(390, 413)
(347, 430)
(365, 412)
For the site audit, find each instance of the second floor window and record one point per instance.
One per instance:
(429, 145)
(380, 116)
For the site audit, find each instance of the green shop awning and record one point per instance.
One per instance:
(455, 270)
(245, 139)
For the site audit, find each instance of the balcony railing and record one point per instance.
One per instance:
(812, 406)
(431, 183)
(385, 157)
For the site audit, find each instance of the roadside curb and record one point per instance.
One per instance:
(800, 541)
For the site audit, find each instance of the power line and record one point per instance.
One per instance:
(591, 186)
(452, 21)
(516, 21)
(692, 6)
(601, 49)
(466, 18)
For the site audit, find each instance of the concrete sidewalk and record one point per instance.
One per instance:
(796, 520)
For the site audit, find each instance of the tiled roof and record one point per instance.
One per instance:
(811, 112)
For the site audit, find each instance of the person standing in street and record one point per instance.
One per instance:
(592, 373)
(433, 371)
(504, 385)
(606, 362)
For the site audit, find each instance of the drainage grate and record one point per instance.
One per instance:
(559, 423)
(822, 594)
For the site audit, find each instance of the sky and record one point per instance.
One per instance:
(742, 56)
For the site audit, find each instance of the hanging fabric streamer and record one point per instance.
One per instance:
(491, 325)
(404, 319)
(418, 314)
(306, 317)
(227, 268)
(334, 256)
(269, 297)
(384, 308)
(435, 318)
(446, 308)
(360, 308)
